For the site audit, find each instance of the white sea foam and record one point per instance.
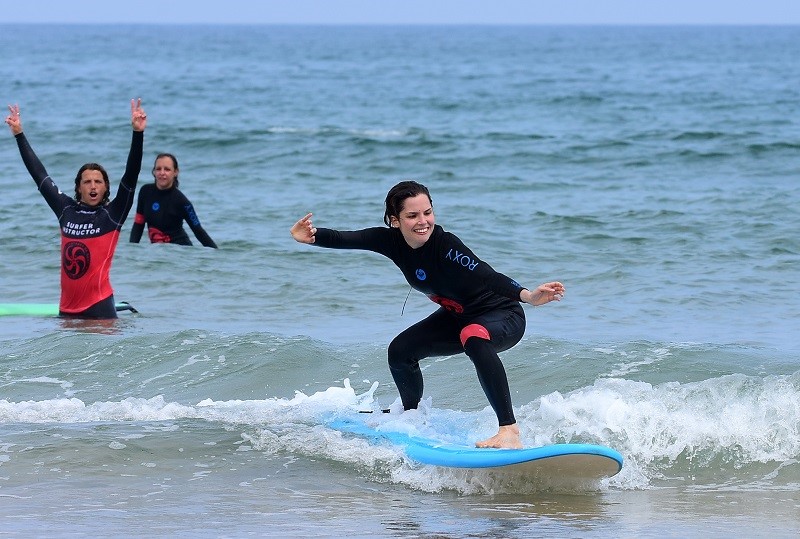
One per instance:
(652, 426)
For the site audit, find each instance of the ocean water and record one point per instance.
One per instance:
(653, 170)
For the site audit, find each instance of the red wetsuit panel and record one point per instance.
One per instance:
(85, 268)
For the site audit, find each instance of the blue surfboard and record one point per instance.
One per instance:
(575, 462)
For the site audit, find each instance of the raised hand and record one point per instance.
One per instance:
(138, 116)
(13, 120)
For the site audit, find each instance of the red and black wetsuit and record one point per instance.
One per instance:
(89, 234)
(480, 312)
(164, 212)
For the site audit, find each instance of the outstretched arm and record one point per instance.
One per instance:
(123, 202)
(497, 282)
(134, 163)
(375, 239)
(32, 163)
(35, 167)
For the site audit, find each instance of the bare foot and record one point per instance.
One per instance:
(507, 437)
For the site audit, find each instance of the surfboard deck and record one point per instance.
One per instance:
(46, 309)
(577, 462)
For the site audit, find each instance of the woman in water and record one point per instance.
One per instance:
(90, 223)
(479, 311)
(164, 208)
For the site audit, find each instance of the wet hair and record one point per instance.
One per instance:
(92, 166)
(174, 164)
(397, 195)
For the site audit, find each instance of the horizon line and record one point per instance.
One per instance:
(378, 23)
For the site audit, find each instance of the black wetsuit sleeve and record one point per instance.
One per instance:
(39, 174)
(123, 202)
(203, 237)
(501, 284)
(495, 281)
(138, 228)
(190, 216)
(374, 239)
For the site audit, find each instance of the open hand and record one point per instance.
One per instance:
(544, 293)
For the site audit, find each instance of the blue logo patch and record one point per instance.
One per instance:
(156, 206)
(421, 274)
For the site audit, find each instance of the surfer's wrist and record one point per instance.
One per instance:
(525, 296)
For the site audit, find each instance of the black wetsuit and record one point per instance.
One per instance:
(89, 234)
(480, 312)
(164, 212)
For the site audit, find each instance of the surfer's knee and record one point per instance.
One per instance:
(394, 352)
(474, 330)
(400, 353)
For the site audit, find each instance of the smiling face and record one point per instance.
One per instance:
(165, 171)
(415, 220)
(92, 187)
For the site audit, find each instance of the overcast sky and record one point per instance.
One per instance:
(404, 11)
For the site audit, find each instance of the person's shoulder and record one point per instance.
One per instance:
(445, 239)
(67, 200)
(382, 236)
(441, 234)
(179, 195)
(379, 232)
